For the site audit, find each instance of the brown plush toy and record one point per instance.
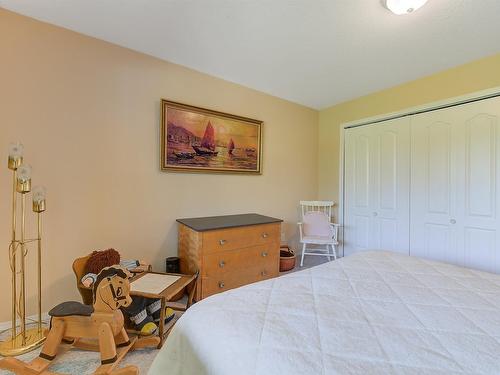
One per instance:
(101, 259)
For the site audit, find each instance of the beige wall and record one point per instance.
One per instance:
(475, 76)
(88, 115)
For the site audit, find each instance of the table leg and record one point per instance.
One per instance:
(161, 323)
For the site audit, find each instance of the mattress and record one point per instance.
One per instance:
(370, 313)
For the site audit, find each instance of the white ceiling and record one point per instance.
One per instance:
(313, 52)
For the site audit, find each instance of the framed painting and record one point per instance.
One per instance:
(195, 139)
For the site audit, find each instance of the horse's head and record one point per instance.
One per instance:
(112, 289)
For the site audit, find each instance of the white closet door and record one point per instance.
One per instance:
(478, 195)
(358, 191)
(392, 184)
(433, 186)
(376, 191)
(454, 179)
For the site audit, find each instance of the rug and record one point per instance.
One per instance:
(84, 362)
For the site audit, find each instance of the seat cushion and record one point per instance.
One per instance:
(71, 308)
(319, 240)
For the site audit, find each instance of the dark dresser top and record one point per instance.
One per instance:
(202, 224)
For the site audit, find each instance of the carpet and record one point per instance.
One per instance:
(84, 362)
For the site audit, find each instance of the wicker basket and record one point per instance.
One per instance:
(287, 259)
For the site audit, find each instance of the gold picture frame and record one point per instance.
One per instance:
(195, 139)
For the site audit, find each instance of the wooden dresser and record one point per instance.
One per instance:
(229, 251)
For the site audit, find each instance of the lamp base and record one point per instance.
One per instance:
(15, 346)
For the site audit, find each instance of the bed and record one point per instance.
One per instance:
(371, 313)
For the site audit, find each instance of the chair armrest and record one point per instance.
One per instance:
(335, 230)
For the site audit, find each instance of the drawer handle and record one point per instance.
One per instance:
(221, 284)
(222, 264)
(222, 242)
(265, 235)
(264, 254)
(263, 273)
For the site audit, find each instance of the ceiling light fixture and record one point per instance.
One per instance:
(400, 7)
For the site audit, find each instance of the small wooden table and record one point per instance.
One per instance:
(165, 296)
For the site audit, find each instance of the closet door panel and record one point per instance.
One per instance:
(433, 159)
(360, 233)
(389, 232)
(480, 249)
(391, 204)
(480, 164)
(437, 143)
(454, 189)
(376, 187)
(362, 165)
(438, 242)
(478, 193)
(359, 190)
(388, 154)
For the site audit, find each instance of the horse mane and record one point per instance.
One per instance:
(107, 272)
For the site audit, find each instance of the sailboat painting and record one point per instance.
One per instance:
(195, 139)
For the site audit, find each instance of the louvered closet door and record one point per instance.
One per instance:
(454, 179)
(376, 189)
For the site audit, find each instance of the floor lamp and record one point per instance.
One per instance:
(21, 339)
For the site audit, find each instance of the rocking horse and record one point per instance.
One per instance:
(99, 327)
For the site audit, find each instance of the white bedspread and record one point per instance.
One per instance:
(370, 313)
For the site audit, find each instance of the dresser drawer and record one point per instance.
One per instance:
(242, 259)
(231, 280)
(237, 238)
